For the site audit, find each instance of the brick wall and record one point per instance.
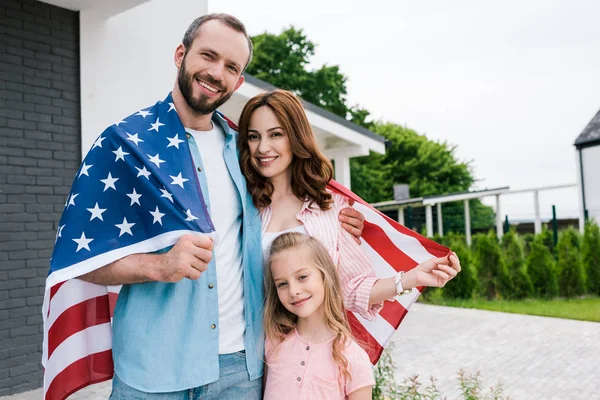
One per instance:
(39, 156)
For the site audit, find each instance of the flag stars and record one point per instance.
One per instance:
(143, 172)
(135, 198)
(109, 182)
(157, 216)
(96, 212)
(178, 180)
(59, 232)
(165, 193)
(155, 159)
(134, 138)
(125, 227)
(98, 142)
(84, 169)
(156, 125)
(174, 141)
(143, 113)
(190, 217)
(82, 242)
(71, 201)
(120, 154)
(172, 107)
(120, 122)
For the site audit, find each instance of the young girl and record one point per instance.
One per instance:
(309, 350)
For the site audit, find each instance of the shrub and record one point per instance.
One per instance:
(493, 278)
(515, 264)
(590, 255)
(548, 240)
(570, 271)
(464, 284)
(541, 267)
(527, 241)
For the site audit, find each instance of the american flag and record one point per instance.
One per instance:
(137, 192)
(392, 248)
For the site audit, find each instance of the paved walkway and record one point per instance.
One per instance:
(534, 357)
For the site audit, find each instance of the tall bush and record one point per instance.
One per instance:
(590, 255)
(464, 284)
(520, 284)
(570, 270)
(548, 240)
(492, 274)
(541, 267)
(527, 240)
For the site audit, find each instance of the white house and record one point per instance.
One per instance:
(587, 151)
(69, 69)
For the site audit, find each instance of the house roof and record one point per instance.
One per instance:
(318, 110)
(591, 134)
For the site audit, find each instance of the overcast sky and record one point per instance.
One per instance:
(510, 83)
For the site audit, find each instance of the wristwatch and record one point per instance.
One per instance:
(399, 288)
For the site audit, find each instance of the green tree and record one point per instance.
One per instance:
(282, 61)
(493, 276)
(590, 255)
(428, 167)
(515, 263)
(541, 266)
(570, 270)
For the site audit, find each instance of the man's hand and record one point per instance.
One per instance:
(435, 272)
(353, 222)
(187, 259)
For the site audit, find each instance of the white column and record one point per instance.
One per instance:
(429, 220)
(439, 219)
(467, 222)
(498, 218)
(342, 170)
(401, 215)
(538, 218)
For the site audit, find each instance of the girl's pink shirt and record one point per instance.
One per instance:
(356, 273)
(299, 369)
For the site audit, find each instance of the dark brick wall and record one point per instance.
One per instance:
(39, 156)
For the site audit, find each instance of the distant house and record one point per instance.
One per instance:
(588, 169)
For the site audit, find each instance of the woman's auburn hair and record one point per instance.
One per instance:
(278, 322)
(311, 170)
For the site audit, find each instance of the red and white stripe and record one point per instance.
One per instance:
(391, 248)
(77, 349)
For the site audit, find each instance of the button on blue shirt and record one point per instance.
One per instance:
(166, 335)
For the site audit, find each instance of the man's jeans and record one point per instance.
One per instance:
(233, 384)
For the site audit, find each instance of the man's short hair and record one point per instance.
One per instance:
(192, 31)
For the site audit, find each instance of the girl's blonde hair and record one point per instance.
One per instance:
(279, 322)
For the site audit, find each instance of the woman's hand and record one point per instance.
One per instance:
(435, 272)
(353, 222)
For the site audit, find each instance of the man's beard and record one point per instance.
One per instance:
(201, 104)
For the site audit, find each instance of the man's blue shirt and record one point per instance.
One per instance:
(166, 335)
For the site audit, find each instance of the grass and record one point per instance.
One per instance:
(584, 309)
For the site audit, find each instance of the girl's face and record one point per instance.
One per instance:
(269, 143)
(299, 282)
